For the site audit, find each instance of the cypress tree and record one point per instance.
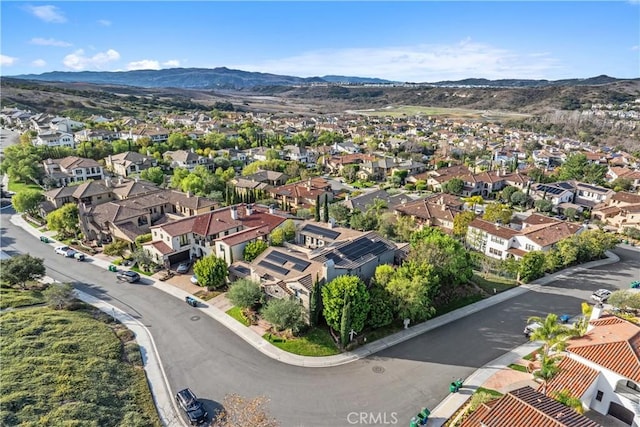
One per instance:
(315, 303)
(345, 323)
(317, 218)
(326, 208)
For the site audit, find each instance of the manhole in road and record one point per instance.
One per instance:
(378, 369)
(194, 318)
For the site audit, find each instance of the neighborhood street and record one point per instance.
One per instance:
(199, 353)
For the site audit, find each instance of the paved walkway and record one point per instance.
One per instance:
(439, 414)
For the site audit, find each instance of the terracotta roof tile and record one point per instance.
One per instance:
(493, 229)
(573, 376)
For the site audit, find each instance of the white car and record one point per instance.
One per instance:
(66, 251)
(531, 328)
(194, 279)
(601, 295)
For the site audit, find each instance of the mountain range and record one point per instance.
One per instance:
(225, 78)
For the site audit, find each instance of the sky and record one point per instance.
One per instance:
(413, 41)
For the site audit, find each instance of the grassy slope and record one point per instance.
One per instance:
(66, 368)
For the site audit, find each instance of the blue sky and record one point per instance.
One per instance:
(417, 41)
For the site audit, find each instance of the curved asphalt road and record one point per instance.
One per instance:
(391, 385)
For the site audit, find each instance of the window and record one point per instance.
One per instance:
(495, 252)
(633, 386)
(497, 240)
(599, 396)
(184, 240)
(528, 247)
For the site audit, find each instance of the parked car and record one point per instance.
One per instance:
(191, 301)
(601, 295)
(65, 250)
(194, 279)
(183, 267)
(79, 256)
(190, 404)
(128, 276)
(635, 284)
(531, 328)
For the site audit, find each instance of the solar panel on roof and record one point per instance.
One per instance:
(362, 247)
(324, 232)
(274, 267)
(281, 258)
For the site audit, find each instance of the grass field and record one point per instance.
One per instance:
(491, 282)
(316, 342)
(68, 368)
(19, 186)
(10, 297)
(460, 113)
(236, 313)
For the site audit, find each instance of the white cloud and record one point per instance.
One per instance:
(78, 61)
(172, 63)
(145, 64)
(636, 47)
(419, 63)
(47, 13)
(49, 42)
(39, 63)
(104, 22)
(7, 61)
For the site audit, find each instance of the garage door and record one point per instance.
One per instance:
(620, 412)
(176, 258)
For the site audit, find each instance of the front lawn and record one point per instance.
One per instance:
(11, 297)
(492, 284)
(69, 368)
(317, 342)
(20, 186)
(236, 313)
(141, 271)
(517, 367)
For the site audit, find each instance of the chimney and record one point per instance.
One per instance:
(188, 193)
(272, 209)
(107, 182)
(148, 153)
(249, 209)
(50, 160)
(596, 312)
(346, 198)
(120, 181)
(234, 213)
(110, 158)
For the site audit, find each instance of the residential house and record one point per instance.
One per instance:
(525, 407)
(303, 194)
(366, 200)
(72, 169)
(129, 163)
(272, 178)
(602, 368)
(619, 211)
(96, 135)
(557, 193)
(296, 153)
(314, 235)
(56, 198)
(54, 138)
(347, 147)
(187, 159)
(437, 210)
(625, 173)
(211, 233)
(155, 134)
(589, 195)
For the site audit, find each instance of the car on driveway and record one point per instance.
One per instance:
(127, 276)
(65, 250)
(601, 295)
(183, 267)
(190, 404)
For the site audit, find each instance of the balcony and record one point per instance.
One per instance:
(629, 390)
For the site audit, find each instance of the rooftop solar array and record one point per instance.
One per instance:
(242, 269)
(273, 267)
(361, 247)
(321, 231)
(281, 258)
(550, 190)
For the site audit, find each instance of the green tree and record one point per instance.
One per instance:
(253, 249)
(567, 399)
(59, 296)
(410, 290)
(519, 198)
(317, 208)
(571, 213)
(495, 212)
(284, 314)
(573, 167)
(277, 237)
(142, 239)
(20, 269)
(289, 229)
(116, 248)
(461, 223)
(22, 162)
(381, 312)
(315, 303)
(334, 295)
(551, 332)
(473, 201)
(507, 192)
(345, 323)
(153, 174)
(383, 275)
(350, 173)
(64, 220)
(453, 186)
(27, 201)
(326, 209)
(244, 293)
(405, 226)
(543, 205)
(363, 221)
(340, 213)
(211, 271)
(625, 300)
(193, 184)
(177, 141)
(142, 259)
(532, 266)
(178, 175)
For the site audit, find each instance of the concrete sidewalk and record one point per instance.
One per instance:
(438, 416)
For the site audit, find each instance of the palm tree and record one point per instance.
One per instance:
(548, 368)
(551, 332)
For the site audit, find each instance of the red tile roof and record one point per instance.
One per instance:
(161, 247)
(573, 376)
(614, 344)
(493, 229)
(525, 407)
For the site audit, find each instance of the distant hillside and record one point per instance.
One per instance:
(225, 78)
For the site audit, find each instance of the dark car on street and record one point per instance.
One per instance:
(190, 404)
(127, 276)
